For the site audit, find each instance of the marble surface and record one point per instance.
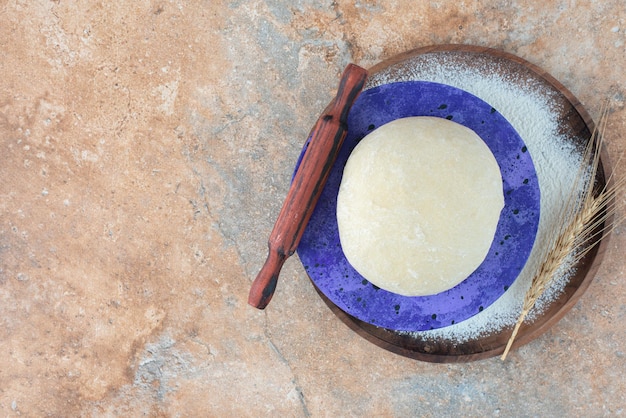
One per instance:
(146, 149)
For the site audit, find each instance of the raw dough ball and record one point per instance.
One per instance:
(419, 205)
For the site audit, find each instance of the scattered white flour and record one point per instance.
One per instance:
(532, 110)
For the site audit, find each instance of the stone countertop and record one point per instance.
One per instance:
(146, 150)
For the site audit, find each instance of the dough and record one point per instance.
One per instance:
(418, 205)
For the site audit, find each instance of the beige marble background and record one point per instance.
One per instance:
(145, 149)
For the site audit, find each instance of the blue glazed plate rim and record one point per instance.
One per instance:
(320, 248)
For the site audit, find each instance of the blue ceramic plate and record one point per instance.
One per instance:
(320, 248)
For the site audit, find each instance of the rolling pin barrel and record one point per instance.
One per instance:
(325, 141)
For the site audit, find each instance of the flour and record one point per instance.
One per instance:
(532, 110)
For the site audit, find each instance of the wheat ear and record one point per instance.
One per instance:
(581, 226)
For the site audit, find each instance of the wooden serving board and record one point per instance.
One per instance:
(574, 120)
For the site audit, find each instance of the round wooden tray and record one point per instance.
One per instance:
(572, 118)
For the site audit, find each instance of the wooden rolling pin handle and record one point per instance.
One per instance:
(263, 289)
(326, 139)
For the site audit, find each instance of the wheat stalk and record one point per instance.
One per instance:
(580, 227)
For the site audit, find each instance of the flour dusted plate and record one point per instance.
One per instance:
(320, 248)
(554, 128)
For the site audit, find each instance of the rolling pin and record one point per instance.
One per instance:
(326, 139)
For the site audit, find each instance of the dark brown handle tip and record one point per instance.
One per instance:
(264, 285)
(350, 86)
